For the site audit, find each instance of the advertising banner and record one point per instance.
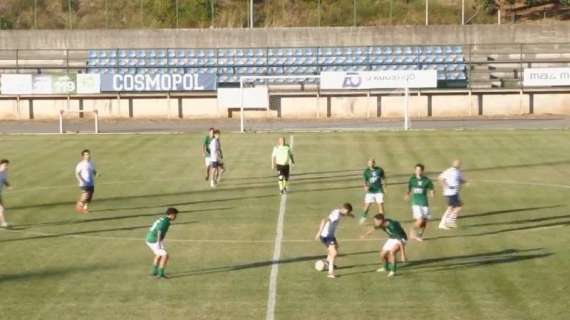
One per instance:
(363, 80)
(158, 82)
(16, 84)
(546, 77)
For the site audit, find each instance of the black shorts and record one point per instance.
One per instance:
(329, 241)
(215, 164)
(454, 201)
(87, 193)
(283, 170)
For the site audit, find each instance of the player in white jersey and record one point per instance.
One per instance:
(3, 183)
(452, 179)
(327, 234)
(215, 158)
(85, 174)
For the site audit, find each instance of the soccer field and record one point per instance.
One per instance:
(509, 259)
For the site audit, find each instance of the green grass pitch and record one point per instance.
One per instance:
(509, 259)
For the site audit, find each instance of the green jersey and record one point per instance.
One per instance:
(282, 154)
(419, 190)
(374, 178)
(207, 140)
(395, 231)
(161, 225)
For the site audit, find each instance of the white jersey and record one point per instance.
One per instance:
(215, 150)
(453, 178)
(86, 170)
(3, 179)
(330, 226)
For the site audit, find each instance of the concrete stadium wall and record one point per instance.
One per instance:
(279, 37)
(299, 107)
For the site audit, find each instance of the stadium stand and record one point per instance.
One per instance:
(230, 64)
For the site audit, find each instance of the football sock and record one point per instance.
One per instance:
(281, 184)
(155, 270)
(420, 232)
(331, 267)
(161, 272)
(394, 266)
(285, 183)
(364, 214)
(386, 266)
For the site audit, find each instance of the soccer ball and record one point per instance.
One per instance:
(320, 265)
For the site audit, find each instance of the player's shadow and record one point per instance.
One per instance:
(89, 220)
(516, 210)
(501, 231)
(43, 236)
(514, 222)
(460, 261)
(50, 273)
(259, 264)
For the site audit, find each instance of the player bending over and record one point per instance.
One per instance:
(85, 173)
(3, 183)
(395, 243)
(155, 241)
(452, 179)
(327, 231)
(374, 182)
(418, 188)
(206, 151)
(280, 159)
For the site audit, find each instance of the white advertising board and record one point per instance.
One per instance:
(546, 77)
(355, 80)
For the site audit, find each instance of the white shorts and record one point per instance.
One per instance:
(156, 249)
(421, 212)
(207, 161)
(391, 245)
(374, 198)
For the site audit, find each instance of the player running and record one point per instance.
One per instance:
(155, 241)
(280, 158)
(418, 188)
(452, 179)
(215, 158)
(85, 173)
(206, 151)
(395, 243)
(327, 234)
(374, 182)
(3, 183)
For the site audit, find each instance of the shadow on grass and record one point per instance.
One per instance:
(50, 273)
(89, 220)
(259, 264)
(497, 212)
(501, 231)
(42, 236)
(461, 261)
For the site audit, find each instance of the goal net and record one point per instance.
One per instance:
(280, 94)
(75, 121)
(301, 97)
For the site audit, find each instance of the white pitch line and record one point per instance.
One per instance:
(271, 300)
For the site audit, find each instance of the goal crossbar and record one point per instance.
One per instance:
(246, 79)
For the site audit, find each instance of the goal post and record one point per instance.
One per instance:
(253, 79)
(77, 115)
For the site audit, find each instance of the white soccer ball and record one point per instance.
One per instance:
(320, 265)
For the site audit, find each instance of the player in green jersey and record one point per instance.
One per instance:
(281, 157)
(206, 152)
(396, 243)
(155, 241)
(418, 188)
(374, 182)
